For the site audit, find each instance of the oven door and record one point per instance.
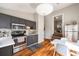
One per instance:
(20, 43)
(19, 40)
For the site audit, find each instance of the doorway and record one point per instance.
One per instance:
(58, 24)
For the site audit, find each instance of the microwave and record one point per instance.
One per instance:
(18, 26)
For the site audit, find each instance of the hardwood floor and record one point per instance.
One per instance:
(47, 49)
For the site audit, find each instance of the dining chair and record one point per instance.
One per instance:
(61, 49)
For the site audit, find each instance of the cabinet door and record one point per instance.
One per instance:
(31, 24)
(17, 20)
(35, 38)
(20, 21)
(14, 19)
(32, 39)
(4, 21)
(6, 51)
(29, 40)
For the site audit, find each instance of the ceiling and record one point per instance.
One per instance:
(30, 7)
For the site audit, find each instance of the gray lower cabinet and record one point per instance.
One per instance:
(6, 51)
(31, 39)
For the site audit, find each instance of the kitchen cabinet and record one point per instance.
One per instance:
(31, 24)
(4, 21)
(17, 20)
(31, 39)
(23, 21)
(6, 51)
(14, 19)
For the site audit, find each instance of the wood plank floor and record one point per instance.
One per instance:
(47, 49)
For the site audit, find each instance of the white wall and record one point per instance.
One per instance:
(27, 16)
(40, 28)
(70, 13)
(49, 24)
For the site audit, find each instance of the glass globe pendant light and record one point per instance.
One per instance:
(44, 9)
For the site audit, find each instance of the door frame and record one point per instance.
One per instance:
(63, 28)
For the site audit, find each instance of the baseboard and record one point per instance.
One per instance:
(47, 39)
(32, 44)
(40, 41)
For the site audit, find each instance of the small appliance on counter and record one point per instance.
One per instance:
(5, 33)
(27, 30)
(30, 31)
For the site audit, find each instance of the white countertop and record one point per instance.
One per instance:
(6, 41)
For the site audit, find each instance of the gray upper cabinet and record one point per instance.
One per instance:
(5, 21)
(31, 24)
(17, 20)
(14, 19)
(34, 23)
(23, 21)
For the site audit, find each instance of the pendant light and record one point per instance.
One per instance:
(44, 9)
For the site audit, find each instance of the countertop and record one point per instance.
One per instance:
(6, 41)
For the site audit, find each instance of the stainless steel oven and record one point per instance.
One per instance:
(18, 35)
(20, 43)
(19, 38)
